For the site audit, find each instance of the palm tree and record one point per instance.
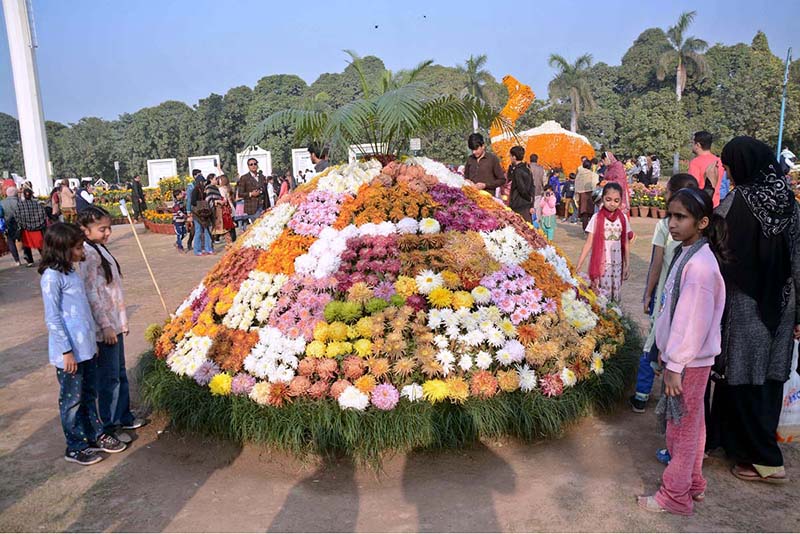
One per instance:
(685, 52)
(390, 110)
(475, 78)
(570, 84)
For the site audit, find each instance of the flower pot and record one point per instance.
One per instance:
(159, 228)
(636, 211)
(654, 212)
(662, 213)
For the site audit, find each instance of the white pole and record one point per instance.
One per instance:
(22, 45)
(124, 209)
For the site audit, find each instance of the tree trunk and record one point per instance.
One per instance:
(474, 123)
(676, 165)
(573, 121)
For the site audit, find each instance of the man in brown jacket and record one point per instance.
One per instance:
(483, 168)
(249, 189)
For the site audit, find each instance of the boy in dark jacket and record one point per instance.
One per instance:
(521, 197)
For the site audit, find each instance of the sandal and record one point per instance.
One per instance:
(699, 497)
(649, 503)
(743, 472)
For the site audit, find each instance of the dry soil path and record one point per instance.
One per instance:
(585, 481)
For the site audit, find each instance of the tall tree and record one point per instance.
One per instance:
(685, 53)
(475, 79)
(10, 145)
(571, 84)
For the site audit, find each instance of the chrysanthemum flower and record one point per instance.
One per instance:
(429, 225)
(306, 367)
(364, 327)
(404, 367)
(435, 390)
(508, 380)
(385, 397)
(338, 387)
(363, 347)
(568, 377)
(352, 398)
(378, 366)
(413, 392)
(365, 383)
(221, 384)
(451, 279)
(360, 292)
(337, 331)
(405, 286)
(597, 364)
(278, 394)
(462, 299)
(299, 386)
(242, 383)
(327, 368)
(427, 281)
(315, 349)
(483, 384)
(481, 295)
(551, 385)
(318, 390)
(527, 378)
(260, 393)
(206, 372)
(457, 389)
(483, 360)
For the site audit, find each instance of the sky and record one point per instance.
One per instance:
(104, 58)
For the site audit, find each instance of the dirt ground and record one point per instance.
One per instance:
(168, 481)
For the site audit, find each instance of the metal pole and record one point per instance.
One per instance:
(783, 101)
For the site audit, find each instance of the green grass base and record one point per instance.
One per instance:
(321, 427)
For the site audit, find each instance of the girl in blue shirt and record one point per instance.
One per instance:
(72, 345)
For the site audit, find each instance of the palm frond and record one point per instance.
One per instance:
(351, 123)
(558, 62)
(666, 64)
(583, 62)
(307, 124)
(693, 44)
(411, 75)
(701, 66)
(356, 63)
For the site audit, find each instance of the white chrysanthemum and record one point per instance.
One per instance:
(483, 360)
(266, 230)
(473, 338)
(452, 332)
(191, 298)
(445, 356)
(250, 302)
(495, 337)
(508, 328)
(434, 318)
(427, 281)
(597, 364)
(324, 255)
(439, 170)
(189, 354)
(368, 230)
(450, 319)
(348, 178)
(506, 246)
(412, 392)
(275, 356)
(353, 398)
(578, 313)
(407, 225)
(440, 341)
(559, 264)
(527, 378)
(429, 225)
(493, 314)
(481, 295)
(503, 357)
(568, 377)
(515, 349)
(465, 362)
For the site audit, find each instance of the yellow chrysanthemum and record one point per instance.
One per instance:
(457, 389)
(508, 380)
(352, 333)
(451, 279)
(462, 299)
(321, 332)
(260, 393)
(364, 327)
(365, 384)
(405, 286)
(440, 297)
(338, 348)
(435, 390)
(221, 384)
(337, 331)
(363, 347)
(508, 328)
(315, 349)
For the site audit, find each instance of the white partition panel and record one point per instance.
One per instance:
(160, 168)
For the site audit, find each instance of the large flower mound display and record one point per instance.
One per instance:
(385, 308)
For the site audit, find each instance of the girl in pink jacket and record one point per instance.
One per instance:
(688, 331)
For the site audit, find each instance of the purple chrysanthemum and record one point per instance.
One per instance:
(206, 372)
(242, 383)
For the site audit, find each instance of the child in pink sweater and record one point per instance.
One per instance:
(549, 212)
(688, 333)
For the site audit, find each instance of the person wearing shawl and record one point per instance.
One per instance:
(615, 172)
(761, 311)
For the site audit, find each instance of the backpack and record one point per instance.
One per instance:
(201, 210)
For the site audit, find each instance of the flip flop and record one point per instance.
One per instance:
(648, 502)
(699, 497)
(751, 475)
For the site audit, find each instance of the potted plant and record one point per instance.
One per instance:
(635, 200)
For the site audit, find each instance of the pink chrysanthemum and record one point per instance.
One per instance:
(551, 385)
(242, 383)
(385, 397)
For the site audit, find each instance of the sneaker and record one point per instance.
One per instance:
(637, 404)
(138, 422)
(16, 263)
(84, 457)
(29, 265)
(108, 443)
(663, 456)
(124, 437)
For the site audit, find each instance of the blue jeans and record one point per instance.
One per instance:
(77, 404)
(113, 393)
(201, 232)
(648, 363)
(180, 233)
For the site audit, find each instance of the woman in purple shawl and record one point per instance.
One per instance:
(615, 172)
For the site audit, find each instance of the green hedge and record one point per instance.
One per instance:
(321, 427)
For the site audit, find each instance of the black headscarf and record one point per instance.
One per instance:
(760, 226)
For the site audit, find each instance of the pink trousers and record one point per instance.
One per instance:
(686, 442)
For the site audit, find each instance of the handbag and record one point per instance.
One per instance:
(789, 423)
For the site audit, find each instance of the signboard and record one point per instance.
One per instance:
(301, 162)
(264, 158)
(415, 144)
(356, 152)
(160, 168)
(204, 163)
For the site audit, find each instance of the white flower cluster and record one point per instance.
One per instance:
(412, 392)
(527, 378)
(275, 355)
(255, 300)
(348, 178)
(559, 264)
(267, 230)
(578, 313)
(188, 302)
(472, 334)
(506, 246)
(597, 364)
(325, 254)
(568, 377)
(439, 170)
(354, 399)
(381, 229)
(189, 354)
